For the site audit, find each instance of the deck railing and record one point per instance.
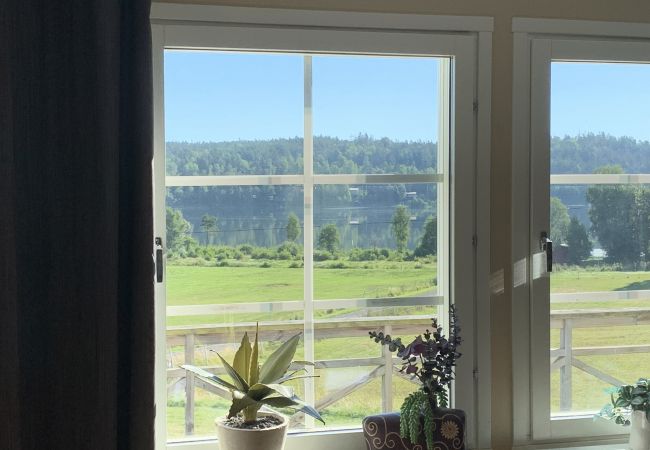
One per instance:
(187, 339)
(565, 357)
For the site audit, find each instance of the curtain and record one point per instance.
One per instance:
(76, 232)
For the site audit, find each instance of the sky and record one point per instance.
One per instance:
(598, 97)
(221, 96)
(211, 96)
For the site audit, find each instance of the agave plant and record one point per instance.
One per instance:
(253, 386)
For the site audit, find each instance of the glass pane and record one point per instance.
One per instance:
(208, 404)
(233, 113)
(232, 258)
(600, 286)
(600, 116)
(372, 242)
(375, 241)
(375, 114)
(236, 253)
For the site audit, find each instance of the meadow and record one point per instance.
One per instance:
(196, 283)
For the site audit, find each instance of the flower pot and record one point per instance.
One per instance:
(231, 438)
(640, 431)
(381, 432)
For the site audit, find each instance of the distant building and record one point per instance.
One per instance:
(561, 254)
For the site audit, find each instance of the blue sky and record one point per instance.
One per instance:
(211, 96)
(221, 96)
(598, 97)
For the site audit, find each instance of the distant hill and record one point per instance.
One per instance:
(588, 152)
(284, 156)
(258, 213)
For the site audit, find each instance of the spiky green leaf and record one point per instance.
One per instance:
(290, 375)
(278, 363)
(239, 402)
(239, 382)
(242, 361)
(297, 377)
(261, 391)
(294, 403)
(209, 377)
(303, 363)
(254, 369)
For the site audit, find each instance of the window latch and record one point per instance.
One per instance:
(546, 245)
(159, 260)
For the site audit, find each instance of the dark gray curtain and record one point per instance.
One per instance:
(76, 270)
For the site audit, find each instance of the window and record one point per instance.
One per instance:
(584, 328)
(308, 186)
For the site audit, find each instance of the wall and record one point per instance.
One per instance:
(503, 11)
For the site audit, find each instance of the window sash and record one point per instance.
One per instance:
(531, 310)
(462, 126)
(308, 180)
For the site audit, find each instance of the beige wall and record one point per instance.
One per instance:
(502, 11)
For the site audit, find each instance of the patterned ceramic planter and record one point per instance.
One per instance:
(382, 432)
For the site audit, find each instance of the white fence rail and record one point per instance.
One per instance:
(565, 357)
(189, 338)
(186, 340)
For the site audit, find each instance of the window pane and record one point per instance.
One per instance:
(233, 113)
(600, 116)
(231, 263)
(236, 252)
(601, 267)
(375, 114)
(373, 243)
(600, 286)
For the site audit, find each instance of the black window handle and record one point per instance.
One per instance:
(546, 245)
(159, 260)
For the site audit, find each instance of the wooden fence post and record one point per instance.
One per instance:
(566, 343)
(189, 385)
(387, 377)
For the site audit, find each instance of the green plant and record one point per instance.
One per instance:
(254, 386)
(328, 238)
(625, 399)
(430, 358)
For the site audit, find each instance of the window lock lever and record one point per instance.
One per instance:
(159, 260)
(546, 245)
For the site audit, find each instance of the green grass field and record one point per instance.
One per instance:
(196, 285)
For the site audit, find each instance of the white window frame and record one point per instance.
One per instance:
(538, 42)
(468, 41)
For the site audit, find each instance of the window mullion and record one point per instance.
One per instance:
(308, 233)
(443, 203)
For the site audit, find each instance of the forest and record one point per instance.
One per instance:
(615, 219)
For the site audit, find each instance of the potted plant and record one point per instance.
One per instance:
(630, 405)
(424, 417)
(253, 386)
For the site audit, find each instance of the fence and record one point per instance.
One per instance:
(191, 337)
(565, 357)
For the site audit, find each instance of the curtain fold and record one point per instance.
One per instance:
(76, 227)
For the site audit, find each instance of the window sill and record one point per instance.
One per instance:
(614, 444)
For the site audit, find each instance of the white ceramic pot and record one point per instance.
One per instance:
(241, 439)
(640, 431)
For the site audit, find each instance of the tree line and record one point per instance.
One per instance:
(620, 222)
(613, 218)
(180, 241)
